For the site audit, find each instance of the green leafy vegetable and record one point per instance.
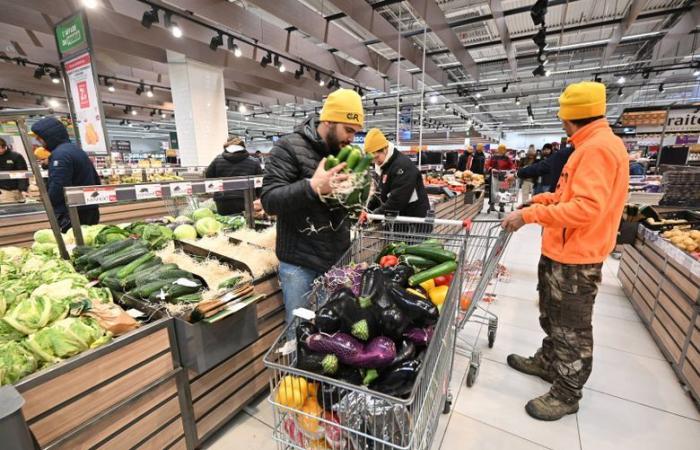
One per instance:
(66, 338)
(110, 233)
(16, 362)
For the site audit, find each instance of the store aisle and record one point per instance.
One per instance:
(632, 400)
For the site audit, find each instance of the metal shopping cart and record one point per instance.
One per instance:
(480, 267)
(365, 419)
(504, 190)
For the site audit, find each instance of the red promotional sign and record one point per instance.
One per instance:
(83, 96)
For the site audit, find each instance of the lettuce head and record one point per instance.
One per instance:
(16, 362)
(67, 338)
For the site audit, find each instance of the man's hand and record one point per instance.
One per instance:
(514, 221)
(524, 205)
(321, 181)
(363, 218)
(257, 205)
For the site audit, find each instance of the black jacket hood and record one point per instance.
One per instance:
(52, 131)
(307, 130)
(236, 156)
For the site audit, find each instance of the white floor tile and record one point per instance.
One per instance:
(465, 433)
(624, 335)
(607, 422)
(498, 399)
(244, 431)
(261, 409)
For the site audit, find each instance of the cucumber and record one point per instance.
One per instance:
(124, 258)
(145, 290)
(353, 158)
(90, 259)
(445, 268)
(166, 272)
(111, 273)
(331, 162)
(177, 290)
(431, 252)
(231, 282)
(130, 281)
(344, 153)
(417, 261)
(111, 283)
(363, 165)
(135, 264)
(94, 274)
(81, 250)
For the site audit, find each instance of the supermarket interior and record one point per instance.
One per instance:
(349, 224)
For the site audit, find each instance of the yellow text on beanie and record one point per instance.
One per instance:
(343, 106)
(375, 141)
(582, 101)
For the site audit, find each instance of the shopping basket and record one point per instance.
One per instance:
(486, 244)
(365, 419)
(504, 190)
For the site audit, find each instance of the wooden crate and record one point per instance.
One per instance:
(666, 343)
(121, 395)
(684, 282)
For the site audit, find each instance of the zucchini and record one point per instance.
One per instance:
(111, 283)
(430, 252)
(331, 162)
(130, 281)
(177, 290)
(145, 290)
(123, 258)
(344, 153)
(167, 271)
(230, 283)
(432, 242)
(111, 273)
(93, 274)
(109, 249)
(444, 268)
(353, 158)
(417, 261)
(135, 264)
(363, 165)
(81, 250)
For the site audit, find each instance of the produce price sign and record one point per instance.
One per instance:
(106, 172)
(180, 189)
(146, 191)
(97, 195)
(193, 170)
(18, 175)
(212, 186)
(258, 182)
(120, 171)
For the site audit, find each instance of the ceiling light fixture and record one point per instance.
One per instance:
(149, 92)
(55, 77)
(276, 61)
(517, 100)
(267, 59)
(53, 103)
(242, 109)
(621, 80)
(696, 73)
(505, 88)
(163, 115)
(538, 12)
(620, 93)
(216, 41)
(110, 86)
(540, 38)
(3, 96)
(433, 99)
(133, 112)
(661, 87)
(171, 25)
(39, 72)
(539, 71)
(299, 72)
(140, 89)
(234, 47)
(478, 95)
(282, 68)
(90, 4)
(149, 17)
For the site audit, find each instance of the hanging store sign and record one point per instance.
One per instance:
(86, 106)
(121, 146)
(677, 120)
(683, 120)
(70, 34)
(173, 140)
(405, 120)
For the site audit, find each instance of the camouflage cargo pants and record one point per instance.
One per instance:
(567, 293)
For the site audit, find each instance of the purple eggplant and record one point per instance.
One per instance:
(420, 310)
(329, 318)
(304, 330)
(419, 336)
(344, 346)
(394, 322)
(406, 351)
(397, 381)
(380, 352)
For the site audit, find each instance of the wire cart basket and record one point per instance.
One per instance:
(485, 246)
(364, 419)
(504, 190)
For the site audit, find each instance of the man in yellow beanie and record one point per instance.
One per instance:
(580, 221)
(400, 188)
(311, 234)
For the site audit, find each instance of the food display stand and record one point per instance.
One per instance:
(663, 284)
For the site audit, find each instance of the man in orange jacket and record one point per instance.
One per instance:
(580, 221)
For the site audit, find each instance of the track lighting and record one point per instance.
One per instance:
(126, 109)
(140, 89)
(517, 100)
(90, 4)
(149, 17)
(597, 78)
(110, 86)
(538, 12)
(542, 57)
(539, 71)
(504, 89)
(171, 25)
(620, 93)
(478, 95)
(621, 80)
(547, 73)
(276, 61)
(242, 109)
(646, 73)
(696, 73)
(318, 78)
(540, 39)
(163, 115)
(39, 72)
(227, 106)
(55, 77)
(267, 59)
(282, 68)
(299, 72)
(149, 92)
(216, 41)
(661, 87)
(53, 103)
(374, 102)
(3, 96)
(122, 122)
(153, 113)
(234, 47)
(433, 99)
(133, 112)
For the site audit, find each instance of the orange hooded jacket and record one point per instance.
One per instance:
(582, 216)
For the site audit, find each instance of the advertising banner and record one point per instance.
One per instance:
(405, 118)
(86, 103)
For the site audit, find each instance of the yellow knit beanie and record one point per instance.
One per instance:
(582, 101)
(375, 141)
(41, 153)
(343, 106)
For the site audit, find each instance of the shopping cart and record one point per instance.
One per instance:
(504, 190)
(485, 246)
(365, 419)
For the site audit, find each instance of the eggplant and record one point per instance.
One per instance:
(398, 381)
(362, 323)
(398, 274)
(419, 336)
(303, 331)
(371, 285)
(320, 363)
(344, 346)
(420, 310)
(379, 353)
(394, 322)
(329, 318)
(329, 395)
(406, 351)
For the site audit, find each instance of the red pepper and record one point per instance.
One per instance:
(388, 261)
(443, 280)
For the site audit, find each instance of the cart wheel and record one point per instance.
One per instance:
(471, 375)
(448, 406)
(492, 337)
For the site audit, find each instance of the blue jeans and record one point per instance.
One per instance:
(296, 283)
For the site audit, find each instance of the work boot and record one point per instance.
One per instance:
(548, 407)
(530, 366)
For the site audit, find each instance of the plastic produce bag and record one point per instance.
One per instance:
(376, 417)
(109, 316)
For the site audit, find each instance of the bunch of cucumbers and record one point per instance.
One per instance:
(358, 164)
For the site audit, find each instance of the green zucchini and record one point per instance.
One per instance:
(344, 153)
(130, 281)
(111, 283)
(135, 264)
(231, 282)
(152, 274)
(430, 252)
(363, 165)
(124, 258)
(417, 261)
(90, 259)
(145, 290)
(177, 290)
(172, 273)
(331, 162)
(444, 268)
(94, 274)
(432, 242)
(111, 273)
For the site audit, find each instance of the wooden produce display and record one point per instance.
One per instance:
(460, 207)
(128, 393)
(663, 285)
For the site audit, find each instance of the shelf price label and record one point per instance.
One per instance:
(98, 195)
(106, 172)
(18, 175)
(180, 189)
(146, 191)
(193, 170)
(120, 171)
(257, 182)
(212, 186)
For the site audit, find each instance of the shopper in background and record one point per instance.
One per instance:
(12, 191)
(544, 182)
(500, 161)
(312, 235)
(400, 188)
(234, 161)
(68, 166)
(42, 157)
(464, 162)
(528, 183)
(636, 168)
(548, 169)
(479, 160)
(580, 221)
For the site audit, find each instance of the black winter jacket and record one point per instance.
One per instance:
(68, 164)
(478, 163)
(234, 164)
(400, 178)
(310, 233)
(9, 161)
(549, 169)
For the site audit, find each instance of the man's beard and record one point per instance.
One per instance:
(332, 141)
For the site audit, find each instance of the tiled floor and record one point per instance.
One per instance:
(632, 400)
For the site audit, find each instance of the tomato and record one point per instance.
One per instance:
(466, 300)
(388, 261)
(443, 280)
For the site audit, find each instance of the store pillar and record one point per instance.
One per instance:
(200, 109)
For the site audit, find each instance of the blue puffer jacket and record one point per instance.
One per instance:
(68, 164)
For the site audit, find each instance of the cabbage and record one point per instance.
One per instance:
(184, 232)
(45, 248)
(110, 233)
(34, 313)
(207, 226)
(202, 213)
(182, 219)
(44, 236)
(90, 232)
(66, 338)
(157, 236)
(9, 333)
(16, 362)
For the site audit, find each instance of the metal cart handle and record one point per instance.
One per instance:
(466, 223)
